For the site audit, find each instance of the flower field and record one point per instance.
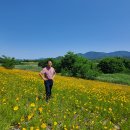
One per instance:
(76, 103)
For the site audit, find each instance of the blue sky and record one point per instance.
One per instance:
(49, 28)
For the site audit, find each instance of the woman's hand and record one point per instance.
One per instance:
(44, 79)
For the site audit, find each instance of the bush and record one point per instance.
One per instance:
(77, 66)
(8, 62)
(91, 74)
(85, 70)
(111, 65)
(68, 61)
(66, 72)
(127, 63)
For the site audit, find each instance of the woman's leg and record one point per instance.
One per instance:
(51, 84)
(48, 89)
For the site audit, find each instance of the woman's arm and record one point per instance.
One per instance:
(42, 76)
(54, 74)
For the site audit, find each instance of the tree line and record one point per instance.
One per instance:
(77, 66)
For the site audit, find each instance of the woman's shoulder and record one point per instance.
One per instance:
(52, 68)
(44, 68)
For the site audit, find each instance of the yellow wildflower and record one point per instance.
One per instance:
(55, 123)
(31, 128)
(32, 104)
(43, 125)
(30, 116)
(16, 108)
(40, 109)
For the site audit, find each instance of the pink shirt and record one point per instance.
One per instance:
(49, 72)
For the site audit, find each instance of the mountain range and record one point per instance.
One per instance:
(100, 55)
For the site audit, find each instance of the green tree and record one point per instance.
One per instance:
(127, 63)
(67, 62)
(111, 65)
(8, 62)
(85, 68)
(77, 66)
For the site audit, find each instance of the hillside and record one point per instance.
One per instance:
(99, 55)
(76, 103)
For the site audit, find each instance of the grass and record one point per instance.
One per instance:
(33, 66)
(76, 103)
(115, 78)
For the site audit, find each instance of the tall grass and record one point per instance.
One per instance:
(33, 66)
(115, 78)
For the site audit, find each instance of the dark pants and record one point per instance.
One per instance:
(48, 86)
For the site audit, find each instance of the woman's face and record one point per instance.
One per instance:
(49, 63)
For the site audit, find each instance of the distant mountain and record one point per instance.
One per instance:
(100, 55)
(58, 57)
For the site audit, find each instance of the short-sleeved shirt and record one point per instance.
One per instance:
(48, 72)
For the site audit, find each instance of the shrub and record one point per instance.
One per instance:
(77, 66)
(111, 65)
(8, 62)
(68, 61)
(66, 72)
(127, 63)
(86, 71)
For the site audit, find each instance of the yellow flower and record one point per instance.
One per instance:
(30, 116)
(17, 99)
(36, 98)
(16, 108)
(31, 128)
(22, 118)
(43, 125)
(105, 127)
(32, 104)
(23, 128)
(4, 100)
(77, 127)
(110, 109)
(74, 112)
(40, 109)
(92, 122)
(55, 123)
(34, 109)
